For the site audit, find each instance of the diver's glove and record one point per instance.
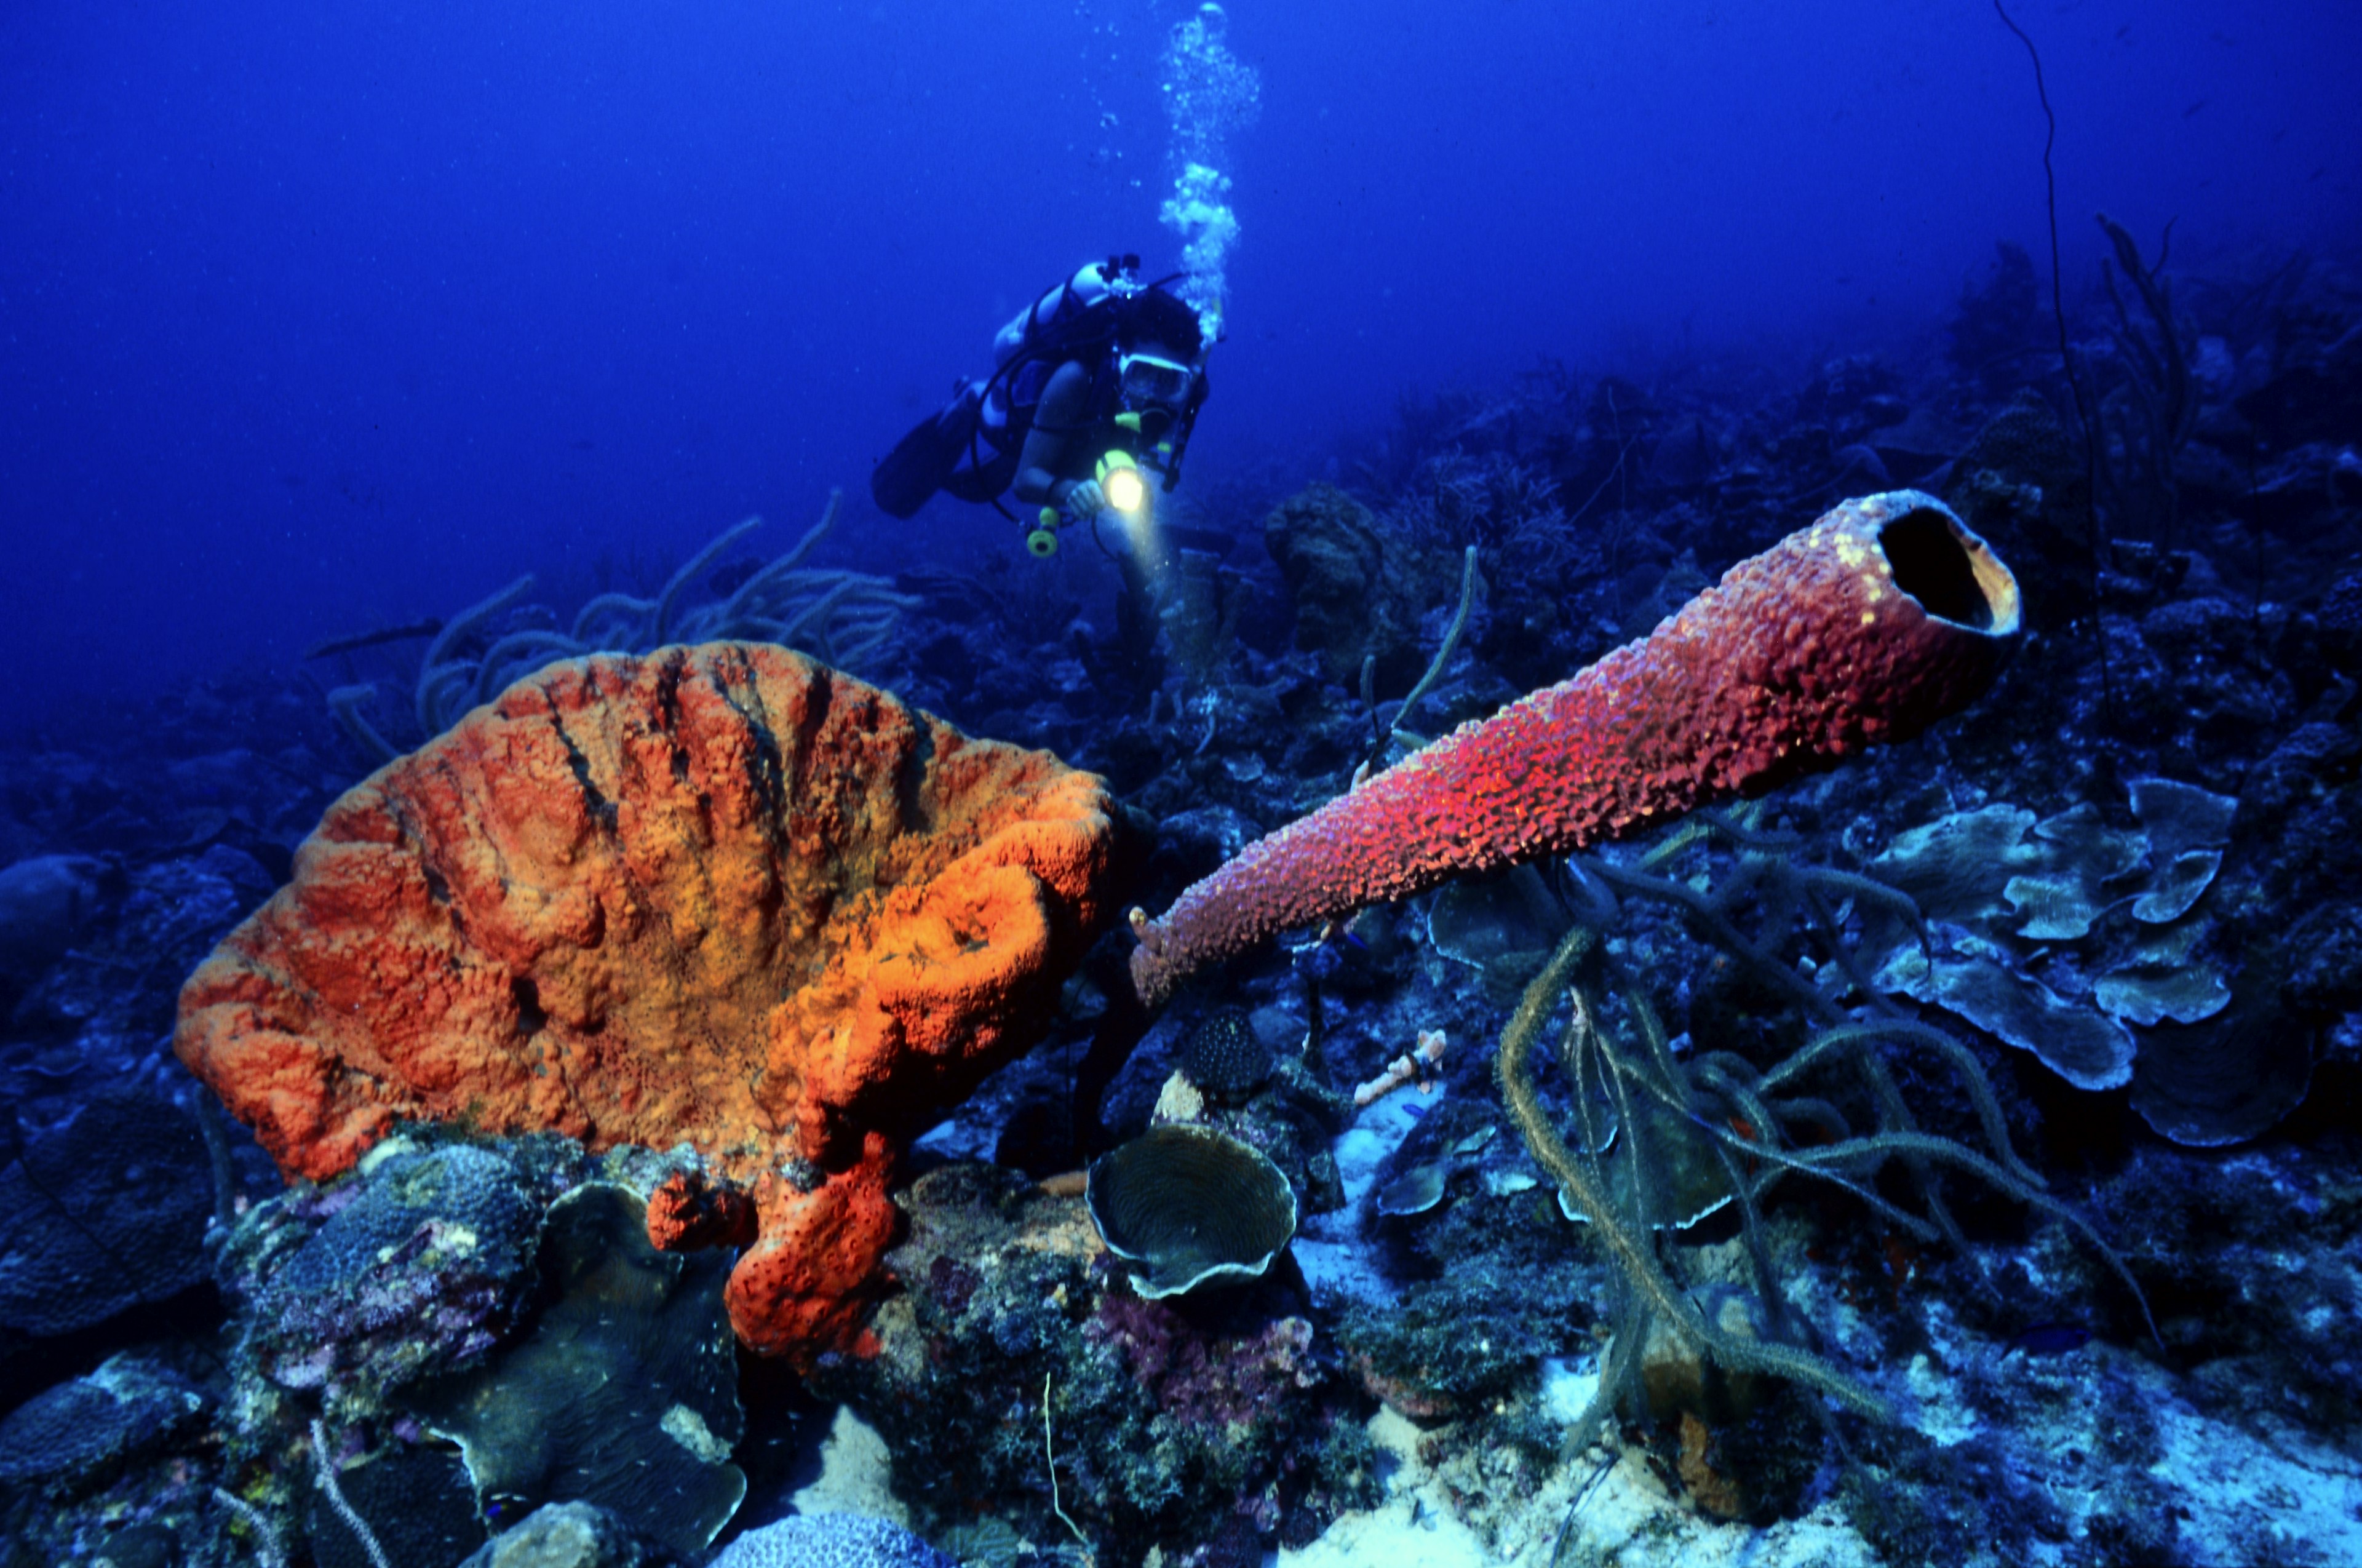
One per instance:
(1084, 500)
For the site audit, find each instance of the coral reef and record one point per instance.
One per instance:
(404, 1502)
(416, 1272)
(1737, 1127)
(2019, 482)
(1352, 603)
(2098, 948)
(1224, 1056)
(2143, 409)
(831, 1541)
(1191, 1209)
(68, 1438)
(1018, 1361)
(45, 902)
(102, 1213)
(568, 1535)
(1997, 325)
(1807, 1145)
(580, 911)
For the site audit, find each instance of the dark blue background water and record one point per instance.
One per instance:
(316, 316)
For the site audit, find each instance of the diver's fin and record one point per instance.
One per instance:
(905, 477)
(921, 461)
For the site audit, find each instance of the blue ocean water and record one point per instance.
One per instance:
(319, 320)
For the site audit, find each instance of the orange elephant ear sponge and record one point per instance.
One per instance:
(721, 895)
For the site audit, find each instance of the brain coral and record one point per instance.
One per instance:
(829, 1541)
(721, 895)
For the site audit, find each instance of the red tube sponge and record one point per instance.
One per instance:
(1882, 617)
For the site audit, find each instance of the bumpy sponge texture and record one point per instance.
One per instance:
(1883, 616)
(721, 894)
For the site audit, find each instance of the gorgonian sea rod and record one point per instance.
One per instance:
(718, 895)
(1882, 617)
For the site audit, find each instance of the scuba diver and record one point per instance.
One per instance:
(1095, 387)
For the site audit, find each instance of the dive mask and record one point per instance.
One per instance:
(1147, 379)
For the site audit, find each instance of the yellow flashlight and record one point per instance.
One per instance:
(1119, 478)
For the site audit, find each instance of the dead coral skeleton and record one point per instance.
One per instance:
(1419, 1065)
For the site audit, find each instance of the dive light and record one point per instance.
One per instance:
(1119, 478)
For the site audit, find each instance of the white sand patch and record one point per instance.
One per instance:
(856, 1475)
(2245, 1489)
(1406, 1531)
(1331, 1248)
(1626, 1518)
(1568, 1386)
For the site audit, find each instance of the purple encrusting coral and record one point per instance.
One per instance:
(1168, 1424)
(1200, 1379)
(414, 1303)
(416, 1269)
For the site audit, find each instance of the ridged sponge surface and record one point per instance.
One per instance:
(721, 895)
